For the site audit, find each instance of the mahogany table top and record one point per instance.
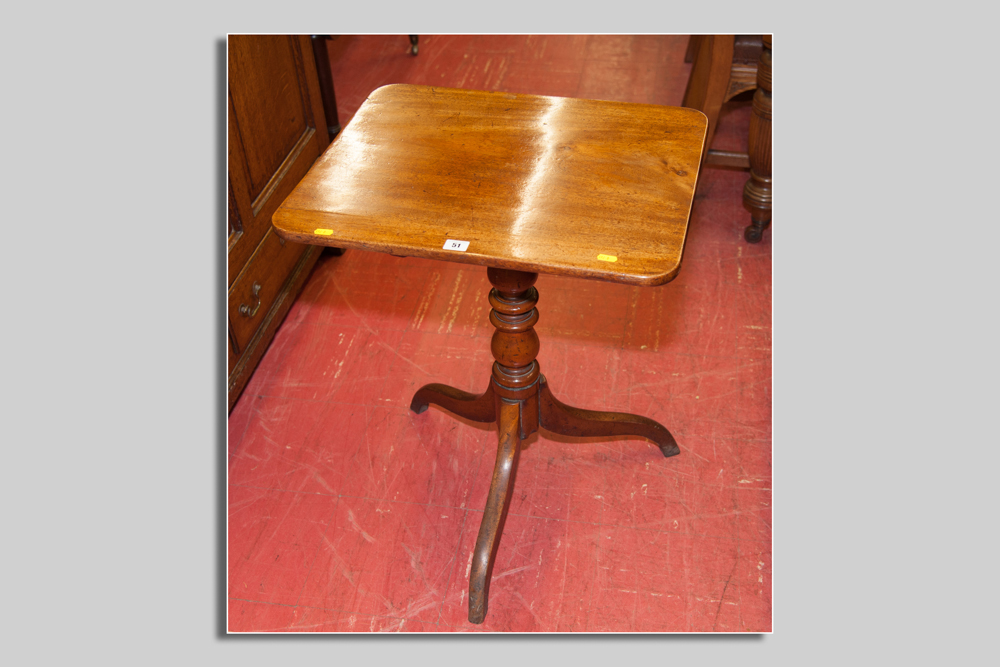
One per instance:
(576, 187)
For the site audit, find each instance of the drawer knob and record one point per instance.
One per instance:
(245, 309)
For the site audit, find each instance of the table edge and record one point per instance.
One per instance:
(642, 280)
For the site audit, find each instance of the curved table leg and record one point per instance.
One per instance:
(481, 408)
(497, 503)
(565, 420)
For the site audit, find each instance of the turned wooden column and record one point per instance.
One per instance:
(757, 191)
(515, 388)
(515, 343)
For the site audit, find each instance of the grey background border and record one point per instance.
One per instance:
(114, 410)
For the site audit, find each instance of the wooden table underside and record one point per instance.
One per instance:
(531, 184)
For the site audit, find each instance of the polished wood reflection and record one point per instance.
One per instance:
(532, 183)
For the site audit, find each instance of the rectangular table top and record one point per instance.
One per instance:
(586, 188)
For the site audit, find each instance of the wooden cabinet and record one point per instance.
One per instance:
(277, 129)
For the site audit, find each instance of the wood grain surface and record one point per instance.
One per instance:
(576, 187)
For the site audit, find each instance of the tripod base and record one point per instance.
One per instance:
(519, 413)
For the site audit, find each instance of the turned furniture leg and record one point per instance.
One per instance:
(560, 418)
(757, 191)
(413, 44)
(497, 504)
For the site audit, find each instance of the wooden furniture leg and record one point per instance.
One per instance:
(413, 44)
(519, 400)
(709, 80)
(560, 418)
(481, 408)
(497, 503)
(692, 48)
(757, 191)
(322, 57)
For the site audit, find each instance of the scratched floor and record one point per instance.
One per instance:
(348, 513)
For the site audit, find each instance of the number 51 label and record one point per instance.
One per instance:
(459, 246)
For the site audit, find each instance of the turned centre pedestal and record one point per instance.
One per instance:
(519, 400)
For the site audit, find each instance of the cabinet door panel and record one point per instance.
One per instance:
(274, 102)
(267, 92)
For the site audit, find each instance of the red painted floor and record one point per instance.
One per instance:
(350, 513)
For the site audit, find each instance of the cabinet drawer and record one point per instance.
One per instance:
(254, 290)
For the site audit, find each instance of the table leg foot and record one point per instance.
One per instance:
(755, 230)
(560, 418)
(481, 408)
(495, 514)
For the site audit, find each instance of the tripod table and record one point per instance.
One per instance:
(520, 184)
